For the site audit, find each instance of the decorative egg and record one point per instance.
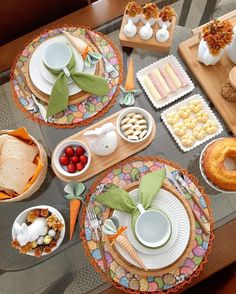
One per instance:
(40, 240)
(47, 239)
(51, 233)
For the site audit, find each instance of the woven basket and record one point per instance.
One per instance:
(38, 182)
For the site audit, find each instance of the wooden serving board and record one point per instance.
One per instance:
(211, 78)
(73, 99)
(160, 271)
(151, 44)
(100, 163)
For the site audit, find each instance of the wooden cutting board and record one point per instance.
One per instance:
(100, 163)
(211, 78)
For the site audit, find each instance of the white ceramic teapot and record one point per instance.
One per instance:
(26, 234)
(103, 141)
(231, 49)
(205, 56)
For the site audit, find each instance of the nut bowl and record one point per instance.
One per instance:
(66, 168)
(134, 124)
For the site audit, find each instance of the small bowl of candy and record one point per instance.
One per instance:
(71, 158)
(38, 230)
(134, 124)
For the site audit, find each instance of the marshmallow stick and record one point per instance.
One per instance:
(162, 81)
(157, 84)
(179, 74)
(153, 91)
(168, 80)
(173, 76)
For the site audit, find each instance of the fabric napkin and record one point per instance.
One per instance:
(60, 93)
(119, 199)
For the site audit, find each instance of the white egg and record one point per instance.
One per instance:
(40, 240)
(51, 233)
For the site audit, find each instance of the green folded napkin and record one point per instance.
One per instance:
(119, 199)
(92, 58)
(127, 97)
(60, 93)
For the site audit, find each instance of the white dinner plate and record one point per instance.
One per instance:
(43, 79)
(174, 248)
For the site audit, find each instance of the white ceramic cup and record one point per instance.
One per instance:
(57, 56)
(152, 228)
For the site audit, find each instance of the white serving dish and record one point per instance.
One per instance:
(206, 108)
(171, 97)
(21, 218)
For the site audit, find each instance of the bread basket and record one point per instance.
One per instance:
(38, 182)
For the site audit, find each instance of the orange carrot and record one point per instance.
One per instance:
(129, 85)
(74, 210)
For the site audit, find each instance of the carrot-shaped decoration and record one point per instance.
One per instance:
(90, 57)
(128, 92)
(74, 192)
(116, 235)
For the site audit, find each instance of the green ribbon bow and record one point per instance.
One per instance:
(92, 58)
(60, 93)
(119, 199)
(74, 191)
(127, 98)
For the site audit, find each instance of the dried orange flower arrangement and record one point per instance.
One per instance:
(132, 9)
(150, 10)
(217, 34)
(43, 243)
(167, 13)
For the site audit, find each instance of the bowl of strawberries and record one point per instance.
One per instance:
(71, 158)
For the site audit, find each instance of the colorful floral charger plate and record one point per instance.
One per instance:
(122, 175)
(86, 111)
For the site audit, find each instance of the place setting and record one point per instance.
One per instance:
(67, 76)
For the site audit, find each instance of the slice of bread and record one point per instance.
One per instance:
(15, 173)
(4, 138)
(14, 147)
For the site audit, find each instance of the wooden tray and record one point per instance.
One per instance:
(139, 271)
(100, 163)
(211, 78)
(151, 44)
(73, 99)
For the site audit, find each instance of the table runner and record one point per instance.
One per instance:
(87, 110)
(121, 175)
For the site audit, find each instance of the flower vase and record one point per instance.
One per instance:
(161, 22)
(135, 18)
(151, 20)
(231, 49)
(205, 56)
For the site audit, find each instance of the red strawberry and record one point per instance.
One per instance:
(83, 159)
(80, 150)
(64, 160)
(71, 168)
(79, 166)
(69, 151)
(75, 159)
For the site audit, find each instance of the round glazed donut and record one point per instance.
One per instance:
(213, 163)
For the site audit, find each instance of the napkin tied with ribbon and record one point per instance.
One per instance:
(119, 199)
(60, 93)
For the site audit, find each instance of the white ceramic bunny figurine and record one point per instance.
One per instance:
(162, 34)
(25, 234)
(103, 141)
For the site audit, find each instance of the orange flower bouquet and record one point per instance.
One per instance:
(166, 15)
(150, 13)
(133, 11)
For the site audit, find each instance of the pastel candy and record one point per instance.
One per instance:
(173, 76)
(180, 75)
(153, 91)
(168, 79)
(157, 84)
(162, 81)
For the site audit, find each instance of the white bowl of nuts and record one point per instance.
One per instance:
(38, 230)
(134, 124)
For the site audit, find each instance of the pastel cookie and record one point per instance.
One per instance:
(199, 133)
(157, 84)
(210, 127)
(168, 80)
(202, 116)
(195, 105)
(153, 91)
(162, 81)
(190, 122)
(172, 118)
(179, 129)
(184, 111)
(187, 140)
(183, 79)
(173, 76)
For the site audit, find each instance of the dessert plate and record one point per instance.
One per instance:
(43, 79)
(174, 248)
